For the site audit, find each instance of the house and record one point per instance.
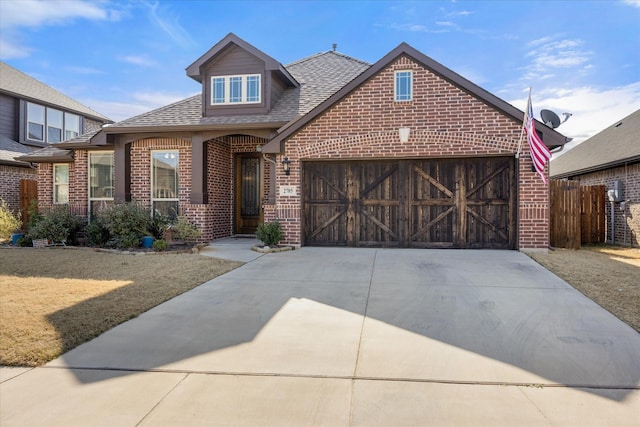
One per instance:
(400, 153)
(32, 116)
(610, 158)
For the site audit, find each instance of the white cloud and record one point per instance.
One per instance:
(140, 60)
(83, 70)
(635, 3)
(13, 49)
(15, 16)
(593, 109)
(35, 13)
(137, 103)
(554, 57)
(169, 24)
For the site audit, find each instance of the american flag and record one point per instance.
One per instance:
(540, 154)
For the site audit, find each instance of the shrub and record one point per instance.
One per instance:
(97, 233)
(9, 223)
(58, 225)
(159, 224)
(184, 230)
(160, 245)
(25, 241)
(126, 223)
(33, 213)
(269, 233)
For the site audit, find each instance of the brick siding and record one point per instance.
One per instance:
(627, 221)
(444, 121)
(10, 177)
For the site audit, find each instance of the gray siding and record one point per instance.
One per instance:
(277, 89)
(8, 116)
(234, 61)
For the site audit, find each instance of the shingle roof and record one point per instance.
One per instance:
(10, 149)
(615, 145)
(19, 84)
(319, 76)
(48, 155)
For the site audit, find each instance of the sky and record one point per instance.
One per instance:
(123, 58)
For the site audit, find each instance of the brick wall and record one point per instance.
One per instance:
(444, 121)
(220, 178)
(10, 177)
(627, 221)
(77, 185)
(219, 186)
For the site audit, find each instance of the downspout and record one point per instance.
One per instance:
(613, 222)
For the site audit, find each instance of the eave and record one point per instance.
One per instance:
(596, 168)
(60, 158)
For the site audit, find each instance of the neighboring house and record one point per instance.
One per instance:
(404, 152)
(610, 158)
(32, 116)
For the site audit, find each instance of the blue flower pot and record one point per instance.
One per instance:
(147, 242)
(15, 237)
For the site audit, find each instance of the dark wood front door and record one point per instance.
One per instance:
(248, 203)
(431, 203)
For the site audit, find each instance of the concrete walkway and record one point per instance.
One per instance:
(349, 337)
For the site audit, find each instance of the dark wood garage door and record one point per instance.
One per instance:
(431, 203)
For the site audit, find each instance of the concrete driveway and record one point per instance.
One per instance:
(350, 337)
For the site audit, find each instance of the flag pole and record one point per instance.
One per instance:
(524, 121)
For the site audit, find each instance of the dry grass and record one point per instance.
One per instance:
(54, 299)
(608, 275)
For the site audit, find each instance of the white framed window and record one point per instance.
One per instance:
(35, 122)
(51, 125)
(71, 126)
(238, 89)
(403, 85)
(60, 183)
(54, 125)
(100, 181)
(164, 182)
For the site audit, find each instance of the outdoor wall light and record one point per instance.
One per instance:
(404, 135)
(285, 165)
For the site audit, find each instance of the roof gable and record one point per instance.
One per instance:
(319, 76)
(19, 84)
(550, 136)
(615, 145)
(195, 70)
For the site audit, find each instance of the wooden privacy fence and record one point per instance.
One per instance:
(577, 214)
(28, 193)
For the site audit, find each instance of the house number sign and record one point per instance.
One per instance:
(288, 190)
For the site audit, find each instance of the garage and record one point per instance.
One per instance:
(421, 203)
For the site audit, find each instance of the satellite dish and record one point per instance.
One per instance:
(550, 118)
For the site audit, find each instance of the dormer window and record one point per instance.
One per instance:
(238, 89)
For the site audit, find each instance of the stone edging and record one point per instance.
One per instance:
(268, 249)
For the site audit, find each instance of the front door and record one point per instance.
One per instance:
(248, 201)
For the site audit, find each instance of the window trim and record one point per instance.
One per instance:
(397, 97)
(152, 180)
(246, 79)
(56, 184)
(45, 123)
(98, 199)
